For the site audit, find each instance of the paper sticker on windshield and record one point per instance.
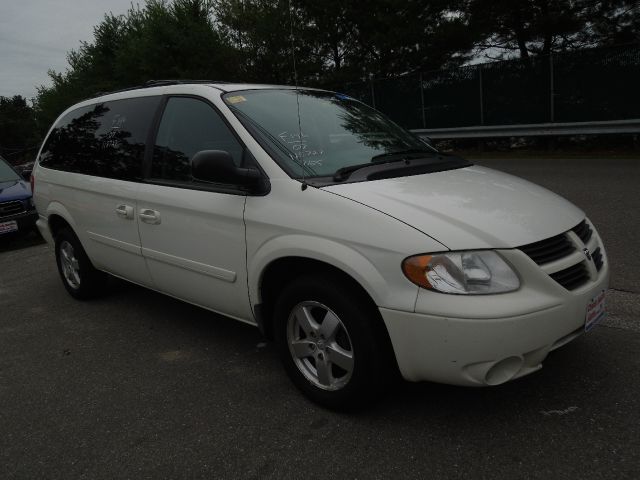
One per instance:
(236, 99)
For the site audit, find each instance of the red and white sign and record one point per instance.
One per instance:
(596, 311)
(6, 227)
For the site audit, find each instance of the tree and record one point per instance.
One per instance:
(541, 27)
(333, 42)
(413, 36)
(338, 41)
(266, 35)
(613, 22)
(163, 40)
(17, 128)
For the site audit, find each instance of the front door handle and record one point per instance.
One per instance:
(125, 211)
(152, 217)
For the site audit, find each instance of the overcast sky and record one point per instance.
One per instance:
(35, 36)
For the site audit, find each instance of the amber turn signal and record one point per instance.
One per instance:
(415, 269)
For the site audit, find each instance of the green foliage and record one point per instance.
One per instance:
(175, 40)
(17, 128)
(335, 42)
(613, 22)
(259, 33)
(339, 41)
(531, 27)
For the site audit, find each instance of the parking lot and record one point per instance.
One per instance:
(139, 385)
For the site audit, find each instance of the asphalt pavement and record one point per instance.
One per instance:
(139, 385)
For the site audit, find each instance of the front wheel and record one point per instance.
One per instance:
(326, 336)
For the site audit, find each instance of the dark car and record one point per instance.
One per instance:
(17, 213)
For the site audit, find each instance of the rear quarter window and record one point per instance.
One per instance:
(106, 139)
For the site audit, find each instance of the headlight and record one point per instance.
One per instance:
(471, 273)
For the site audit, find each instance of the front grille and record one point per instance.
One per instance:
(545, 252)
(548, 250)
(583, 230)
(573, 277)
(11, 208)
(597, 258)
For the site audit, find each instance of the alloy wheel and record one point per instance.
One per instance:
(69, 264)
(320, 345)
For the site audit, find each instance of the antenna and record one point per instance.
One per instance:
(295, 78)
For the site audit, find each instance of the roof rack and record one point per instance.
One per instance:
(160, 83)
(155, 83)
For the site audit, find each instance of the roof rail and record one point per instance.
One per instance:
(155, 83)
(159, 83)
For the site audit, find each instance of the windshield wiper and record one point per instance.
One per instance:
(344, 172)
(403, 153)
(383, 158)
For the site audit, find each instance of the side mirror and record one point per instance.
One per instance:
(217, 166)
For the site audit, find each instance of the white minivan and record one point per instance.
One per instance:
(357, 247)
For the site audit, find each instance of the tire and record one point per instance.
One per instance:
(78, 275)
(353, 361)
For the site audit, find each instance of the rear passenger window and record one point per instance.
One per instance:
(105, 140)
(188, 126)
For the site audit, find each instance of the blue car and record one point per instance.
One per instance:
(17, 212)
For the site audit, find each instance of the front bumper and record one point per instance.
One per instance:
(489, 339)
(26, 220)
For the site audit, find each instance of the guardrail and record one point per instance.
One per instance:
(530, 130)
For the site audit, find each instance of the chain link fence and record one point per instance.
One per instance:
(596, 84)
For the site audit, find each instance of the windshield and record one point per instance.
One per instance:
(7, 174)
(332, 132)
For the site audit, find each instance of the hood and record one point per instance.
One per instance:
(14, 190)
(469, 208)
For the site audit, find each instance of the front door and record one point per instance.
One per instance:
(192, 233)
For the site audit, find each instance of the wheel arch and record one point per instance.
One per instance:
(274, 271)
(59, 217)
(281, 271)
(284, 257)
(313, 249)
(57, 223)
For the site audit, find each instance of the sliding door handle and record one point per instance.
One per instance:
(125, 211)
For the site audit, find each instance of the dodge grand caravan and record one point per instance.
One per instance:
(357, 247)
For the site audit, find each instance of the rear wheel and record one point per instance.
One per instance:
(327, 341)
(78, 275)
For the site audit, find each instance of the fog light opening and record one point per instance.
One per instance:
(503, 371)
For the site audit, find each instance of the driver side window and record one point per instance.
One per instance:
(188, 126)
